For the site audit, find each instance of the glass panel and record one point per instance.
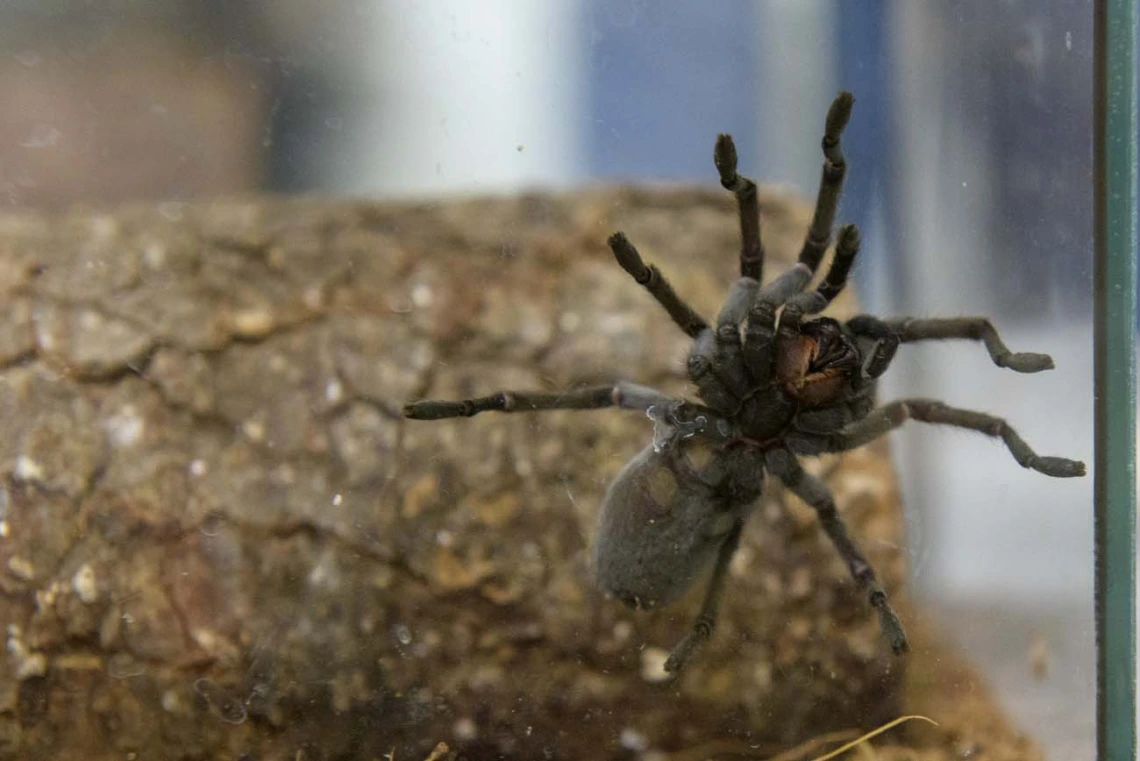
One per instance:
(221, 535)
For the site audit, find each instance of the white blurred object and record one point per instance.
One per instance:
(460, 97)
(799, 82)
(982, 527)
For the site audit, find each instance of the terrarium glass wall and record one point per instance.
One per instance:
(970, 154)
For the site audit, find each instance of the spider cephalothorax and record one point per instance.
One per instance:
(775, 381)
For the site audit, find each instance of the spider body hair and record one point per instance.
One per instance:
(669, 510)
(775, 382)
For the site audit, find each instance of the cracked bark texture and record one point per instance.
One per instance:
(218, 538)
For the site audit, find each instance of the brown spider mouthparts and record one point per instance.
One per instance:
(774, 377)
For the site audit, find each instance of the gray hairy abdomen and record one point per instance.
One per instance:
(658, 531)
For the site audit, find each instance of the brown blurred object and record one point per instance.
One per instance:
(221, 540)
(151, 119)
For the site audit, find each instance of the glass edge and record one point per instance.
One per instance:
(1115, 149)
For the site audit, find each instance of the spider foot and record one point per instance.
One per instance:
(724, 157)
(682, 653)
(628, 257)
(702, 630)
(890, 624)
(837, 117)
(1058, 467)
(1025, 362)
(895, 633)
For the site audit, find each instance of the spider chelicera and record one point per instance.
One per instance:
(776, 383)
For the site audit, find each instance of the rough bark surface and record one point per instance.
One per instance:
(219, 539)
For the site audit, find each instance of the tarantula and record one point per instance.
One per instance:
(776, 383)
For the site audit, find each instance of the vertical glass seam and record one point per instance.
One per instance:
(1115, 109)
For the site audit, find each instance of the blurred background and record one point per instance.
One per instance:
(971, 156)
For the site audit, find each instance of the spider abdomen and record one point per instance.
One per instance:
(662, 521)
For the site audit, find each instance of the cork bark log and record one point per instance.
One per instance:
(219, 539)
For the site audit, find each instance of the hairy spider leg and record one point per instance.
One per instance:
(811, 424)
(813, 302)
(830, 181)
(628, 396)
(715, 362)
(707, 373)
(846, 249)
(886, 344)
(653, 281)
(783, 464)
(974, 328)
(748, 205)
(818, 423)
(712, 389)
(892, 415)
(728, 360)
(909, 329)
(760, 327)
(706, 619)
(740, 298)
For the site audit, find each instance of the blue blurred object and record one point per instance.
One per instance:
(653, 105)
